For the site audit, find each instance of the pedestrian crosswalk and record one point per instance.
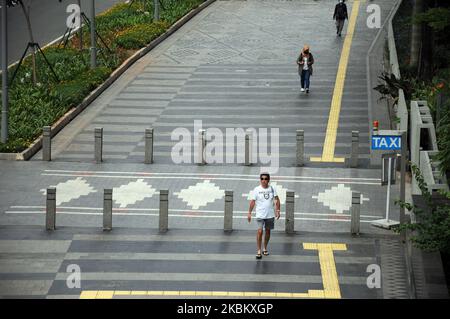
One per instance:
(189, 264)
(196, 199)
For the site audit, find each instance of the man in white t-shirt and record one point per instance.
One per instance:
(263, 197)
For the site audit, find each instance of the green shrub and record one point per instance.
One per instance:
(140, 35)
(73, 92)
(432, 229)
(121, 17)
(122, 27)
(175, 9)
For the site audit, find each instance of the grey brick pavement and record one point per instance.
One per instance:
(233, 65)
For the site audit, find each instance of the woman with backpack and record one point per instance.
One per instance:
(305, 68)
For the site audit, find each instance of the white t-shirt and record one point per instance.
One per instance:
(264, 201)
(305, 63)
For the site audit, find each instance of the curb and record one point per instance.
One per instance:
(71, 114)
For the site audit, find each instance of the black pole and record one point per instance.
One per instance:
(4, 130)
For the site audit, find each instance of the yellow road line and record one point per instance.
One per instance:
(333, 118)
(327, 268)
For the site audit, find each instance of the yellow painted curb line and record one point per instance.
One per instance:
(333, 118)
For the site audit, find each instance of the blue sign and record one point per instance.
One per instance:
(386, 142)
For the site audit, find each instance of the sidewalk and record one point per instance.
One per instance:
(134, 263)
(196, 195)
(232, 66)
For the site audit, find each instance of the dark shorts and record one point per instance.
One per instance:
(268, 223)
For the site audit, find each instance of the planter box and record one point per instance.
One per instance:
(70, 115)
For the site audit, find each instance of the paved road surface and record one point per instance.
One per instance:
(232, 66)
(48, 18)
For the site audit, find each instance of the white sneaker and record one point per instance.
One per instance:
(302, 90)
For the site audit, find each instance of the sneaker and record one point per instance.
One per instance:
(307, 90)
(302, 90)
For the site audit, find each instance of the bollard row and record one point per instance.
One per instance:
(164, 211)
(201, 146)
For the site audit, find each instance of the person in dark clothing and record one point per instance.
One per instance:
(305, 68)
(340, 14)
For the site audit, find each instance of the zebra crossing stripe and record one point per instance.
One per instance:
(327, 265)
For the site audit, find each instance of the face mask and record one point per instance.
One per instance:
(306, 52)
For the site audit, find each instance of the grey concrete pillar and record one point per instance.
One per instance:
(300, 137)
(163, 210)
(98, 145)
(248, 148)
(290, 201)
(107, 209)
(355, 213)
(355, 149)
(148, 146)
(228, 213)
(47, 143)
(50, 214)
(201, 160)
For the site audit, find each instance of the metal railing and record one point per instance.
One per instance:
(382, 58)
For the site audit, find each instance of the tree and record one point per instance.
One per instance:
(430, 29)
(432, 228)
(416, 35)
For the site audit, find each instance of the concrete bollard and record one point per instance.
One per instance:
(47, 143)
(300, 137)
(228, 213)
(98, 145)
(107, 209)
(201, 147)
(290, 201)
(248, 148)
(148, 146)
(163, 210)
(50, 215)
(355, 151)
(355, 213)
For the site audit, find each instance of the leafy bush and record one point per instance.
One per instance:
(432, 229)
(138, 36)
(175, 9)
(121, 17)
(390, 85)
(443, 133)
(123, 28)
(73, 92)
